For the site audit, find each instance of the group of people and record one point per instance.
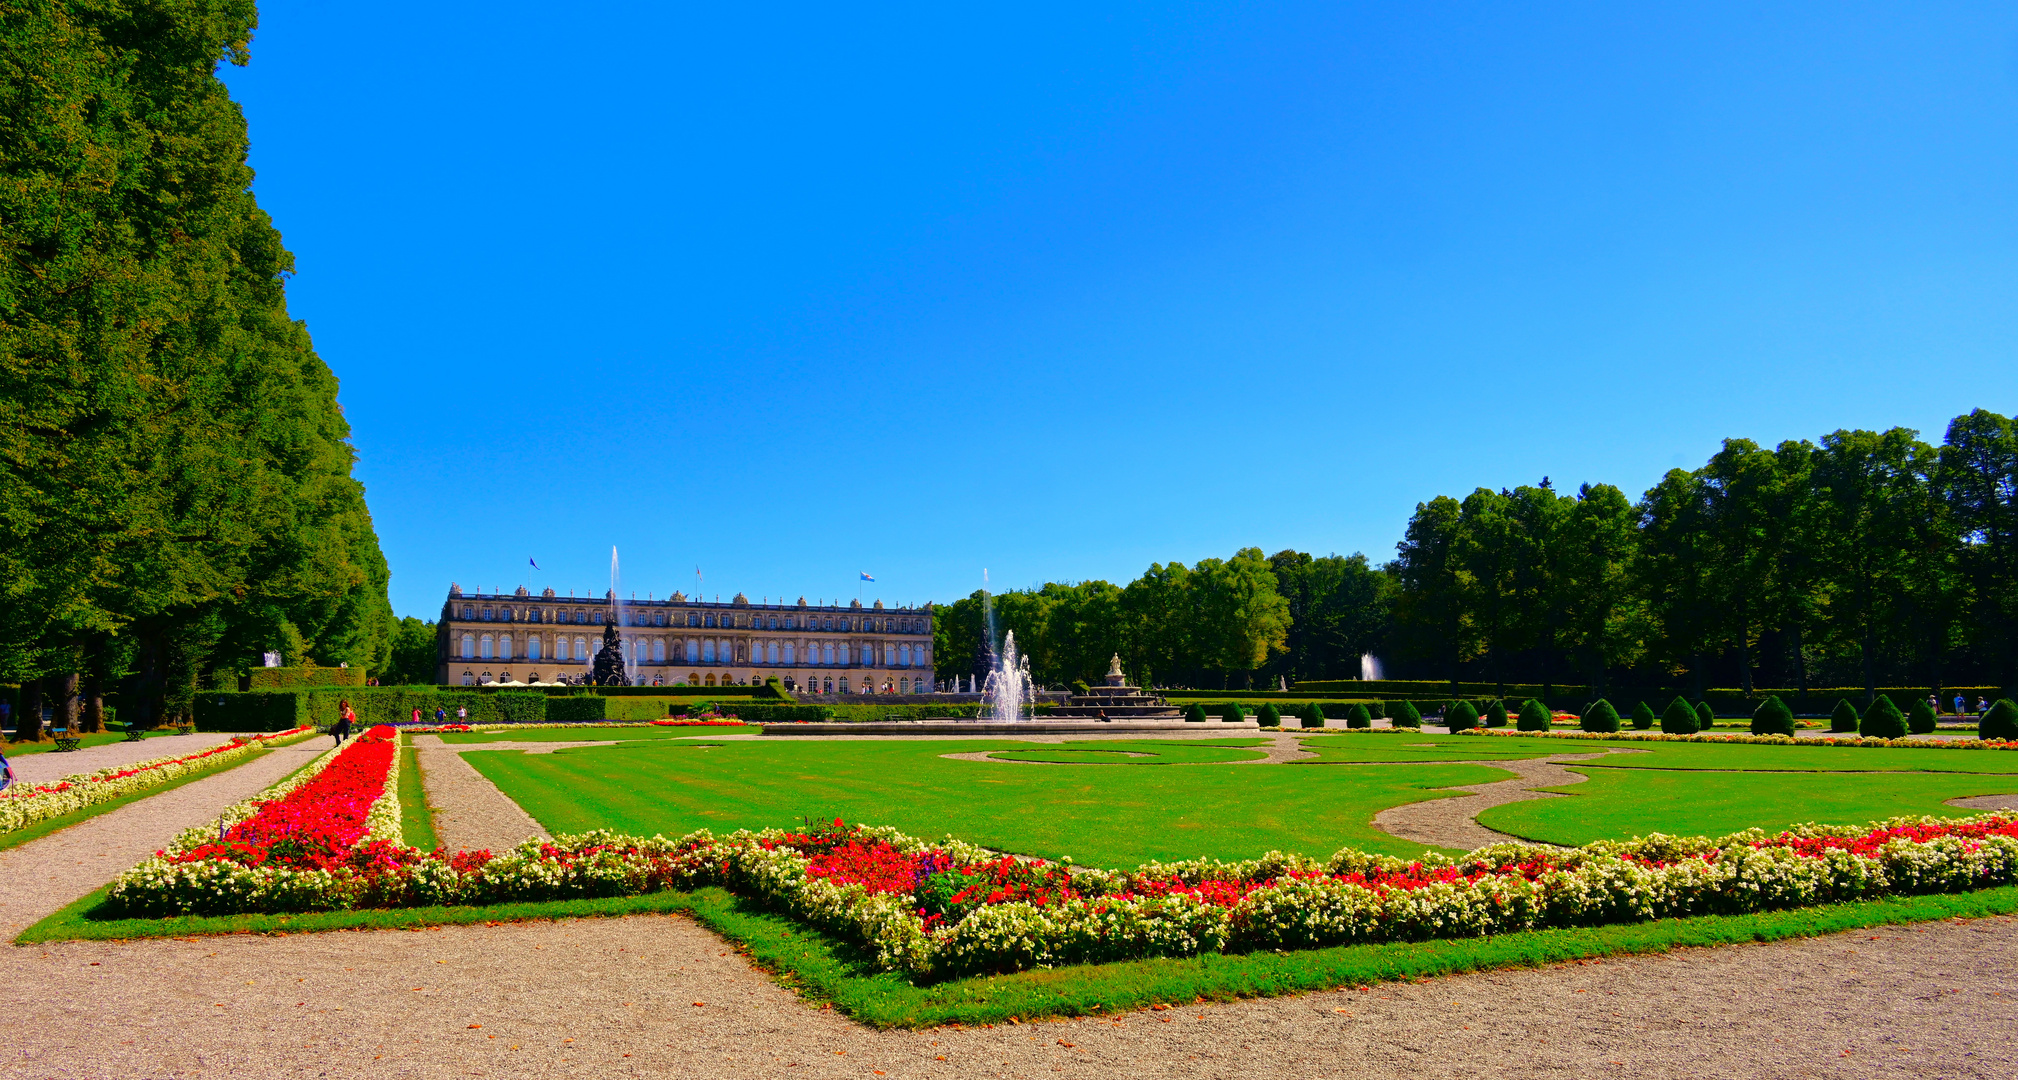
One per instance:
(1961, 705)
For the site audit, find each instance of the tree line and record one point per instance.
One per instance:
(1862, 559)
(176, 494)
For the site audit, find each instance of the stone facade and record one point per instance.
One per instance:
(522, 637)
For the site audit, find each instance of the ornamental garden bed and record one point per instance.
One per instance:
(24, 805)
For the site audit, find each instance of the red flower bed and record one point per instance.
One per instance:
(316, 825)
(698, 723)
(30, 791)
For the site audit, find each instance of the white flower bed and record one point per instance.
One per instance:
(26, 804)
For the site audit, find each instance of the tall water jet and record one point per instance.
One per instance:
(1369, 667)
(1009, 688)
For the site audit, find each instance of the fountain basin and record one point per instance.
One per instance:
(940, 727)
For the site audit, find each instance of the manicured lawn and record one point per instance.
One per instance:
(416, 817)
(1798, 758)
(1621, 803)
(1140, 752)
(15, 749)
(1099, 816)
(590, 734)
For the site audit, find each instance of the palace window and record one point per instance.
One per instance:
(533, 647)
(903, 656)
(789, 650)
(504, 647)
(844, 684)
(903, 686)
(772, 652)
(659, 619)
(468, 648)
(829, 651)
(486, 647)
(468, 679)
(707, 652)
(581, 649)
(658, 652)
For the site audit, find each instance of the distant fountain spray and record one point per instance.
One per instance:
(1009, 688)
(1369, 667)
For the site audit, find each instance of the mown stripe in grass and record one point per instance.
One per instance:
(822, 968)
(416, 817)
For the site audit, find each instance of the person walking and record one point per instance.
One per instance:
(1961, 705)
(462, 714)
(343, 718)
(440, 714)
(6, 773)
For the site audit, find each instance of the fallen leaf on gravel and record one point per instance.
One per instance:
(840, 1053)
(473, 1027)
(1343, 1012)
(1063, 1043)
(1158, 1008)
(700, 1004)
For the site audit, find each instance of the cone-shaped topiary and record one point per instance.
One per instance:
(1705, 718)
(1233, 712)
(1679, 719)
(1843, 721)
(1495, 715)
(1312, 715)
(1921, 719)
(1883, 720)
(1601, 717)
(1194, 713)
(1403, 713)
(1643, 717)
(1772, 717)
(2000, 723)
(1270, 716)
(1359, 717)
(1460, 716)
(1534, 716)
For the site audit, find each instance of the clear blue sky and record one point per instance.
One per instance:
(793, 292)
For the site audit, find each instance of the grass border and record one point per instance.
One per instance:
(821, 968)
(416, 814)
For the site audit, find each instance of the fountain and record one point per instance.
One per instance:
(1369, 667)
(609, 669)
(1116, 700)
(1008, 688)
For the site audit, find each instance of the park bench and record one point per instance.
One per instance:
(66, 740)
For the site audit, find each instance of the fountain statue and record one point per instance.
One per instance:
(1116, 701)
(609, 668)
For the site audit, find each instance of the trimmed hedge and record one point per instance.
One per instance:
(296, 678)
(1359, 717)
(1706, 718)
(1679, 719)
(1405, 714)
(1883, 720)
(584, 709)
(1643, 717)
(2000, 723)
(1772, 717)
(1270, 716)
(1311, 716)
(1534, 716)
(764, 713)
(1460, 716)
(249, 711)
(1600, 717)
(1843, 721)
(1194, 713)
(1495, 714)
(1233, 712)
(1921, 719)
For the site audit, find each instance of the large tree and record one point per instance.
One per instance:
(1979, 484)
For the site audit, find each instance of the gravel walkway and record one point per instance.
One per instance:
(39, 877)
(470, 813)
(1453, 823)
(49, 765)
(1986, 802)
(658, 996)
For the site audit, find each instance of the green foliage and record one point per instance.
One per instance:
(1194, 713)
(413, 655)
(1705, 718)
(1495, 714)
(1534, 716)
(1600, 717)
(1460, 716)
(1311, 715)
(1233, 713)
(1773, 717)
(1843, 721)
(1359, 717)
(779, 714)
(1883, 720)
(2000, 722)
(289, 678)
(258, 710)
(1376, 709)
(1404, 714)
(1921, 719)
(1643, 717)
(1680, 719)
(1270, 716)
(580, 709)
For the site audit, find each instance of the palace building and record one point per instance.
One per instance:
(526, 638)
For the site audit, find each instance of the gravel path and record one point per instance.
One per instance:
(1986, 802)
(39, 877)
(470, 813)
(624, 997)
(49, 765)
(1452, 823)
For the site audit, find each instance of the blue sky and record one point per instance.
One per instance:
(792, 292)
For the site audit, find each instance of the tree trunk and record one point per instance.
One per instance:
(1800, 666)
(1870, 668)
(94, 706)
(1745, 662)
(28, 728)
(66, 708)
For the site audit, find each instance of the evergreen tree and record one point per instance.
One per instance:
(1358, 717)
(1883, 720)
(1194, 713)
(1460, 716)
(1772, 717)
(1270, 716)
(1680, 719)
(1843, 721)
(1705, 718)
(1601, 717)
(2000, 723)
(1405, 715)
(1921, 719)
(1643, 717)
(1233, 713)
(1495, 715)
(1312, 715)
(1534, 716)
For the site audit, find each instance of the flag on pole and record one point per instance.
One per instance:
(866, 577)
(536, 565)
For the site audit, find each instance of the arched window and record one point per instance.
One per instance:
(504, 647)
(708, 653)
(903, 686)
(772, 652)
(581, 649)
(693, 650)
(844, 684)
(468, 679)
(659, 652)
(789, 650)
(903, 656)
(486, 647)
(533, 647)
(468, 648)
(829, 650)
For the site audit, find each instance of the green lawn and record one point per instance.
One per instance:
(1099, 816)
(589, 734)
(1423, 746)
(416, 817)
(1140, 752)
(1768, 758)
(1621, 803)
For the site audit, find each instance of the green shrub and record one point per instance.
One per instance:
(1921, 719)
(294, 678)
(1233, 712)
(1194, 713)
(1376, 709)
(1883, 720)
(1772, 717)
(1705, 717)
(1460, 716)
(2000, 723)
(1843, 721)
(766, 713)
(256, 710)
(1680, 719)
(1601, 717)
(1270, 716)
(1405, 714)
(522, 708)
(584, 709)
(1495, 715)
(1534, 716)
(1312, 716)
(1359, 717)
(1643, 717)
